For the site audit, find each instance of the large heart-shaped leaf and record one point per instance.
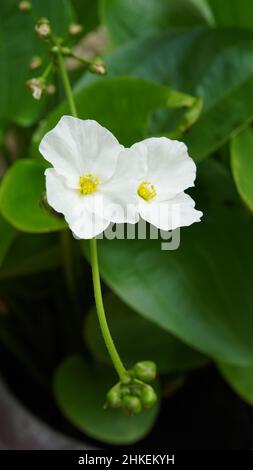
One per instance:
(87, 13)
(18, 45)
(80, 391)
(232, 13)
(242, 165)
(138, 339)
(30, 254)
(201, 292)
(220, 71)
(240, 379)
(20, 196)
(124, 105)
(129, 19)
(7, 235)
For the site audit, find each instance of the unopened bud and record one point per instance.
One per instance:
(145, 371)
(148, 396)
(25, 6)
(131, 405)
(98, 67)
(35, 62)
(66, 51)
(126, 379)
(43, 28)
(113, 398)
(37, 87)
(75, 29)
(51, 89)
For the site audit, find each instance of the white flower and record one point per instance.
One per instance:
(93, 179)
(168, 172)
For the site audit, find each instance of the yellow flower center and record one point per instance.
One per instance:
(146, 190)
(88, 184)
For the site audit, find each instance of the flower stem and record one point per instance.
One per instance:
(67, 85)
(93, 251)
(101, 312)
(47, 71)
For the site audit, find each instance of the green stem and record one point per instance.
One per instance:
(93, 251)
(101, 312)
(47, 71)
(67, 85)
(83, 61)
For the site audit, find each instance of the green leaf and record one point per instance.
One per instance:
(80, 391)
(18, 44)
(202, 292)
(242, 165)
(220, 72)
(129, 19)
(87, 13)
(124, 105)
(240, 379)
(232, 13)
(20, 195)
(213, 172)
(31, 254)
(7, 235)
(138, 339)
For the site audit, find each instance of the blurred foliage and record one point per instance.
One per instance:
(19, 44)
(179, 68)
(242, 165)
(238, 13)
(169, 354)
(130, 19)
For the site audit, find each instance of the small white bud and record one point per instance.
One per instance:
(35, 62)
(51, 89)
(43, 28)
(75, 29)
(37, 87)
(25, 6)
(98, 67)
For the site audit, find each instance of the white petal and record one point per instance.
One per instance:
(60, 196)
(169, 215)
(119, 194)
(87, 225)
(74, 206)
(77, 146)
(170, 169)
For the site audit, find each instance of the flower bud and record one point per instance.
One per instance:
(25, 6)
(37, 87)
(75, 29)
(148, 396)
(43, 28)
(113, 397)
(98, 67)
(126, 379)
(145, 371)
(51, 89)
(131, 405)
(35, 62)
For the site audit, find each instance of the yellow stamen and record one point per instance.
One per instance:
(88, 184)
(146, 190)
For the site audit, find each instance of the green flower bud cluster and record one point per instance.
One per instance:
(133, 393)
